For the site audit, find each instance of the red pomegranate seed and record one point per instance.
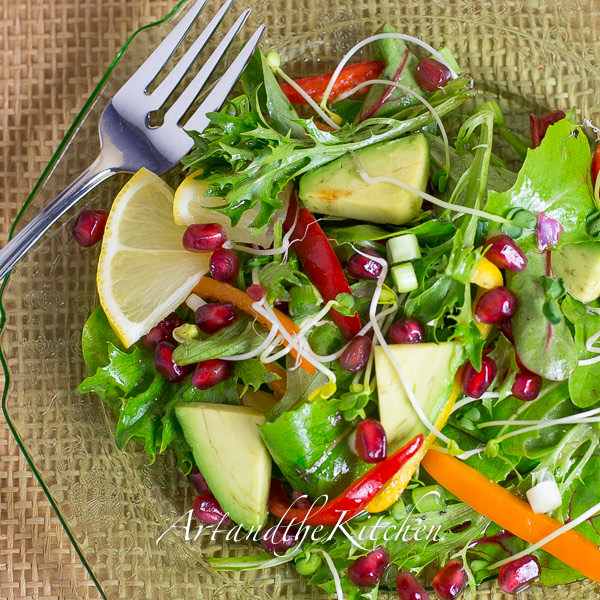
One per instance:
(356, 354)
(475, 383)
(206, 237)
(527, 386)
(367, 570)
(504, 253)
(496, 306)
(515, 576)
(300, 499)
(408, 588)
(407, 331)
(209, 373)
(224, 265)
(163, 360)
(279, 538)
(363, 267)
(281, 305)
(207, 510)
(370, 441)
(88, 228)
(506, 328)
(163, 331)
(256, 292)
(431, 75)
(214, 316)
(199, 482)
(450, 581)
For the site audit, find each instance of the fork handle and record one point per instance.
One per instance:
(18, 246)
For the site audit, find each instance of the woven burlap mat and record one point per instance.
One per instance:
(52, 53)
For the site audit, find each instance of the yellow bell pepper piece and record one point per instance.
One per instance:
(394, 488)
(487, 275)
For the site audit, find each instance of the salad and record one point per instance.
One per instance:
(369, 342)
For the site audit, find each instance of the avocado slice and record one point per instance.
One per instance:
(579, 267)
(230, 453)
(337, 189)
(429, 369)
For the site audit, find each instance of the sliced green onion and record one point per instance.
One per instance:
(403, 248)
(404, 277)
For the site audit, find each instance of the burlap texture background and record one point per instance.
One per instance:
(52, 53)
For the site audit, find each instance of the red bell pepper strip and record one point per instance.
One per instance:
(319, 261)
(350, 502)
(349, 77)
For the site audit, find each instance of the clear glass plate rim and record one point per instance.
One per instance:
(71, 132)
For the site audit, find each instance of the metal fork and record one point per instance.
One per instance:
(127, 141)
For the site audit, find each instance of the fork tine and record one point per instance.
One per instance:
(220, 91)
(161, 54)
(162, 92)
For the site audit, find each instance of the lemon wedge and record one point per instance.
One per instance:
(191, 205)
(144, 272)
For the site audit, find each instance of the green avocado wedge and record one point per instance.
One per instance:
(232, 457)
(337, 189)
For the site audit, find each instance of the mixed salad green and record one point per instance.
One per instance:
(438, 294)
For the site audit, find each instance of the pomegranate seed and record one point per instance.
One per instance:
(163, 331)
(256, 292)
(163, 360)
(363, 267)
(506, 328)
(475, 383)
(207, 237)
(515, 576)
(207, 510)
(209, 373)
(450, 581)
(431, 75)
(527, 386)
(367, 570)
(214, 316)
(356, 354)
(279, 538)
(505, 254)
(224, 265)
(199, 482)
(300, 500)
(371, 441)
(496, 306)
(281, 305)
(88, 228)
(408, 588)
(407, 331)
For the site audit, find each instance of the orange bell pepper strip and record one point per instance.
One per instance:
(511, 513)
(212, 289)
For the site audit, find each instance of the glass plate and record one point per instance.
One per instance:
(114, 505)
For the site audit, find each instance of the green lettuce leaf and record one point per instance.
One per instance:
(543, 347)
(584, 383)
(244, 335)
(309, 445)
(95, 338)
(555, 180)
